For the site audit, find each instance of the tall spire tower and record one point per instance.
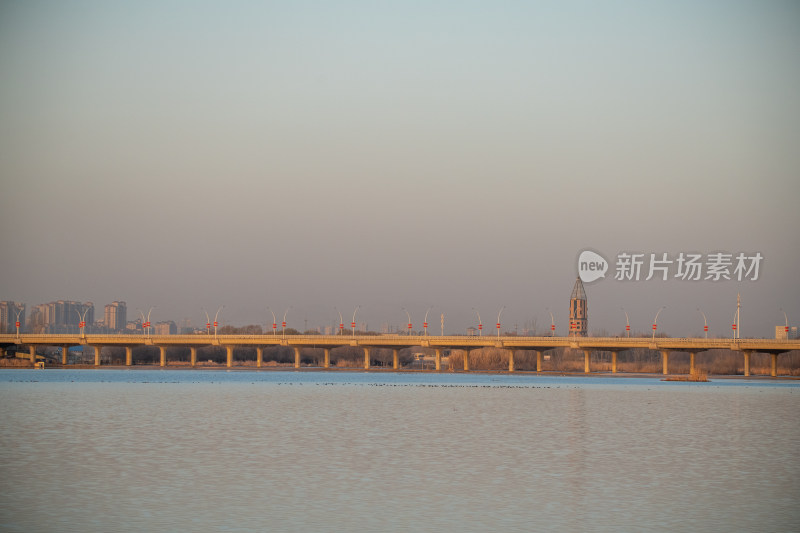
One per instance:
(578, 313)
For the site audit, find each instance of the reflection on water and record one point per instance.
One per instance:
(296, 454)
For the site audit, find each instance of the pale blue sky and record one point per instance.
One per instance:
(398, 154)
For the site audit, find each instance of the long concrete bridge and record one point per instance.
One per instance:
(615, 345)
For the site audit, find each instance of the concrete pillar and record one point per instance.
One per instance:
(163, 355)
(259, 356)
(366, 357)
(691, 362)
(510, 360)
(97, 350)
(64, 355)
(2, 351)
(395, 359)
(438, 359)
(747, 362)
(586, 356)
(128, 356)
(297, 357)
(538, 360)
(229, 353)
(774, 370)
(665, 361)
(466, 360)
(193, 355)
(32, 352)
(613, 362)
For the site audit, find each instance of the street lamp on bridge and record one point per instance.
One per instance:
(705, 322)
(341, 321)
(353, 323)
(208, 320)
(274, 322)
(785, 329)
(480, 324)
(498, 320)
(655, 320)
(18, 323)
(146, 322)
(409, 320)
(283, 324)
(552, 322)
(81, 323)
(425, 321)
(627, 323)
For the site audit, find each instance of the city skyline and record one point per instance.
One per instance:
(458, 155)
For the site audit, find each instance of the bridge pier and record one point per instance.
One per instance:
(538, 360)
(586, 357)
(193, 355)
(438, 359)
(395, 358)
(297, 357)
(747, 362)
(259, 356)
(614, 362)
(691, 362)
(665, 361)
(229, 354)
(128, 355)
(510, 360)
(64, 355)
(774, 369)
(326, 362)
(366, 358)
(97, 350)
(162, 352)
(466, 360)
(32, 352)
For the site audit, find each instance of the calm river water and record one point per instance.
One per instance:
(181, 450)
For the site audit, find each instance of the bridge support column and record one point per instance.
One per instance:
(297, 357)
(438, 359)
(193, 355)
(162, 355)
(2, 351)
(395, 359)
(366, 358)
(64, 355)
(586, 357)
(747, 362)
(259, 356)
(326, 362)
(691, 362)
(128, 356)
(32, 352)
(613, 362)
(665, 361)
(466, 360)
(229, 354)
(510, 360)
(97, 350)
(538, 360)
(774, 369)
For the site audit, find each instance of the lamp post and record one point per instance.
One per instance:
(81, 323)
(283, 324)
(480, 324)
(146, 322)
(20, 312)
(341, 322)
(655, 321)
(216, 315)
(409, 321)
(425, 321)
(627, 323)
(705, 322)
(274, 322)
(785, 329)
(498, 321)
(552, 323)
(353, 323)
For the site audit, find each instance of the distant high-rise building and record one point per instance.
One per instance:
(63, 316)
(116, 316)
(165, 328)
(578, 313)
(8, 317)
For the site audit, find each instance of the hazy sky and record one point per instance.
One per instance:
(457, 155)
